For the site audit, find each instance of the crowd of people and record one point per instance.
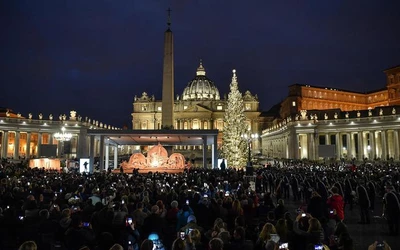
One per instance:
(196, 209)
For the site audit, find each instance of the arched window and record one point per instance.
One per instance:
(205, 125)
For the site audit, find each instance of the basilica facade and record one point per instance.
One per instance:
(200, 106)
(319, 122)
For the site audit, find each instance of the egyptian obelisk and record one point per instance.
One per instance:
(168, 78)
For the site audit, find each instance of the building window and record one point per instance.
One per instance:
(248, 106)
(220, 125)
(185, 125)
(205, 125)
(294, 104)
(144, 125)
(195, 124)
(159, 108)
(144, 108)
(184, 107)
(219, 107)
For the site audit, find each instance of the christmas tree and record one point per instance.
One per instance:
(234, 147)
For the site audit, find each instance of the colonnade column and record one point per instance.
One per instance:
(352, 145)
(50, 138)
(101, 151)
(295, 144)
(204, 147)
(4, 144)
(91, 154)
(39, 144)
(107, 156)
(327, 139)
(116, 157)
(384, 145)
(60, 149)
(360, 150)
(315, 138)
(372, 142)
(338, 146)
(28, 145)
(396, 144)
(16, 145)
(310, 146)
(214, 153)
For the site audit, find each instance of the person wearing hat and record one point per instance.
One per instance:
(191, 224)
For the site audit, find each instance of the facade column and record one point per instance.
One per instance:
(91, 153)
(101, 152)
(116, 157)
(384, 145)
(310, 146)
(59, 149)
(360, 140)
(4, 144)
(50, 138)
(204, 147)
(294, 149)
(107, 157)
(39, 145)
(327, 139)
(352, 146)
(28, 146)
(16, 145)
(214, 153)
(338, 146)
(316, 145)
(82, 150)
(396, 144)
(372, 144)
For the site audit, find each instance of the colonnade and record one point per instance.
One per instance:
(371, 144)
(26, 144)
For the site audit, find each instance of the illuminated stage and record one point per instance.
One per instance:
(157, 160)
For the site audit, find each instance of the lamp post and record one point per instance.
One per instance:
(249, 138)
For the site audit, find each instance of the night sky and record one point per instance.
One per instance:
(94, 56)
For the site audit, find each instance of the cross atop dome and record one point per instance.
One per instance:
(200, 70)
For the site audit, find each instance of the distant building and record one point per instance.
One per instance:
(355, 125)
(200, 106)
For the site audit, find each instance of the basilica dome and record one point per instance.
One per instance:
(200, 88)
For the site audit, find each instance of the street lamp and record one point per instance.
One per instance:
(249, 138)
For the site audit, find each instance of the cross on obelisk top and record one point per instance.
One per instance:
(169, 17)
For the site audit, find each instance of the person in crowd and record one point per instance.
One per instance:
(336, 205)
(146, 245)
(154, 224)
(191, 224)
(265, 240)
(183, 216)
(364, 203)
(195, 236)
(139, 216)
(78, 234)
(117, 247)
(28, 245)
(282, 230)
(162, 210)
(392, 209)
(378, 245)
(317, 206)
(280, 210)
(239, 241)
(314, 233)
(216, 244)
